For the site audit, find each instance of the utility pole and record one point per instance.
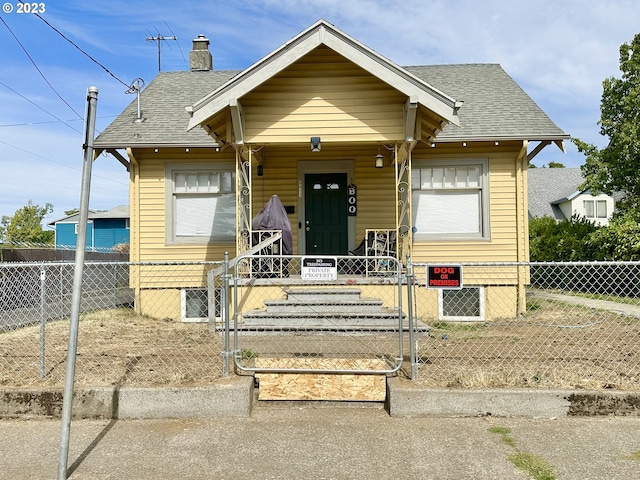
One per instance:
(159, 39)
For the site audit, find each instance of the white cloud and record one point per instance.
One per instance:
(559, 52)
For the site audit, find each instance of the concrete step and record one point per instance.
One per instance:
(315, 304)
(314, 318)
(323, 294)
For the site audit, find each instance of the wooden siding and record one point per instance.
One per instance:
(375, 193)
(323, 94)
(149, 231)
(506, 235)
(375, 187)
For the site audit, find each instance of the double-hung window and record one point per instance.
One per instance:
(201, 204)
(595, 208)
(450, 199)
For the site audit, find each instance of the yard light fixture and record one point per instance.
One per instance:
(315, 144)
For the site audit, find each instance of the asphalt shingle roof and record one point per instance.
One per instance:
(120, 211)
(548, 185)
(495, 107)
(164, 116)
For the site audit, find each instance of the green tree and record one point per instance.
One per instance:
(620, 240)
(565, 241)
(26, 225)
(615, 167)
(556, 165)
(4, 223)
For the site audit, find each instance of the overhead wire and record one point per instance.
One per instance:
(38, 106)
(80, 49)
(57, 162)
(35, 65)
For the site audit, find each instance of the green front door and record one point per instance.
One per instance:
(326, 214)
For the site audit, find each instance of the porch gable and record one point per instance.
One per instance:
(411, 91)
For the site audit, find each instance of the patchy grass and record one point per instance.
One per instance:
(504, 433)
(115, 347)
(634, 456)
(535, 466)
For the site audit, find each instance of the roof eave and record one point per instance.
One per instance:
(501, 138)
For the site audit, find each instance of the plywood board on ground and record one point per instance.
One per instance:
(322, 386)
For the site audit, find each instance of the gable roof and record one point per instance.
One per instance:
(495, 107)
(323, 33)
(164, 119)
(548, 187)
(120, 211)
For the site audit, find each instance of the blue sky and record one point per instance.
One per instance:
(559, 52)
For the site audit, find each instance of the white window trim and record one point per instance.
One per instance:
(485, 233)
(183, 307)
(442, 317)
(594, 206)
(170, 207)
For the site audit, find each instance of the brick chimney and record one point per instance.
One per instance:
(200, 59)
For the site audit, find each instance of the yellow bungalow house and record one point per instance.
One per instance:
(437, 154)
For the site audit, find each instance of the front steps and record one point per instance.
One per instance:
(318, 309)
(329, 318)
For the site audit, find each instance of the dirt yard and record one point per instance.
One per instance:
(551, 347)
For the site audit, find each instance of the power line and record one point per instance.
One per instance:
(38, 69)
(38, 106)
(178, 43)
(27, 124)
(59, 163)
(80, 49)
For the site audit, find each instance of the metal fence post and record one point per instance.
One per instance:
(67, 399)
(412, 348)
(43, 319)
(226, 368)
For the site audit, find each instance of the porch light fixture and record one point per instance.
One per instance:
(315, 144)
(379, 159)
(260, 170)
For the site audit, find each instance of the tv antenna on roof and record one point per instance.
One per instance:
(159, 39)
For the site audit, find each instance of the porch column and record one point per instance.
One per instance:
(402, 162)
(243, 199)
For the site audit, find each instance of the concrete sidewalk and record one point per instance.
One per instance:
(319, 441)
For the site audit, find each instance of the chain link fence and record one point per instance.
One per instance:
(133, 327)
(540, 325)
(318, 314)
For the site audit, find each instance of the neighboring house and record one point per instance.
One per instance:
(438, 155)
(555, 192)
(105, 229)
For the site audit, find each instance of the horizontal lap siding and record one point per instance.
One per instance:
(503, 242)
(375, 187)
(325, 95)
(152, 201)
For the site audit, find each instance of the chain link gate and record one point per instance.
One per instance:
(317, 314)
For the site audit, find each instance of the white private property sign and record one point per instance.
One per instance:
(316, 268)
